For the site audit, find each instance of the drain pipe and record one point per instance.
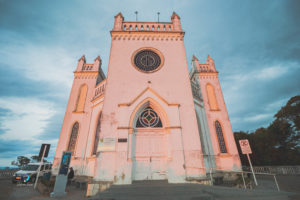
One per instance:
(182, 144)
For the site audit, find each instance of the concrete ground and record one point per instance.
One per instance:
(290, 186)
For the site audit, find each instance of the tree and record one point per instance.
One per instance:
(37, 158)
(21, 161)
(279, 143)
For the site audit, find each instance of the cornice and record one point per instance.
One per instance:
(85, 74)
(149, 35)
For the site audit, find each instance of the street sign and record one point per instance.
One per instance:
(245, 146)
(43, 153)
(47, 146)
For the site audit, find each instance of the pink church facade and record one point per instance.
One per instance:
(150, 118)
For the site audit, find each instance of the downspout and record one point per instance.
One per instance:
(182, 144)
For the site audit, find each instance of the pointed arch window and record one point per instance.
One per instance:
(212, 100)
(220, 137)
(73, 137)
(81, 98)
(148, 119)
(96, 141)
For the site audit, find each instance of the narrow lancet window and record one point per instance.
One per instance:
(220, 137)
(97, 136)
(81, 98)
(73, 137)
(212, 100)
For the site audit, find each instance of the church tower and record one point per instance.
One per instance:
(75, 134)
(148, 123)
(150, 118)
(219, 132)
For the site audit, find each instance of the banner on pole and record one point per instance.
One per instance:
(245, 146)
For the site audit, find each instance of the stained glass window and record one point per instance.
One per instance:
(97, 136)
(147, 60)
(73, 137)
(220, 137)
(148, 118)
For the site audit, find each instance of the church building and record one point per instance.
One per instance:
(150, 118)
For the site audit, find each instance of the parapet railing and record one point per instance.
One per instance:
(244, 174)
(147, 26)
(276, 169)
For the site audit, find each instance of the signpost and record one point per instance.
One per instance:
(246, 149)
(43, 154)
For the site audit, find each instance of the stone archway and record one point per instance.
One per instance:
(149, 144)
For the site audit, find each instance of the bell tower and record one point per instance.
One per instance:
(148, 123)
(224, 149)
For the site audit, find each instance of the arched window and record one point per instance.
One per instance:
(73, 137)
(148, 118)
(96, 141)
(220, 137)
(212, 100)
(81, 98)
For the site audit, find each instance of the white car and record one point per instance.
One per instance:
(29, 172)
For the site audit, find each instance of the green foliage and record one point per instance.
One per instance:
(279, 143)
(22, 161)
(37, 158)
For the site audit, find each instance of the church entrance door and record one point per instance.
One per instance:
(150, 160)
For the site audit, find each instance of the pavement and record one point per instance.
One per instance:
(150, 190)
(160, 190)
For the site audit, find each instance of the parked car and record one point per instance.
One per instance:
(28, 173)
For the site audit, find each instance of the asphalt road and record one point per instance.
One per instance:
(290, 186)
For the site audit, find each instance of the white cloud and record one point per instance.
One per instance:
(271, 72)
(27, 119)
(258, 117)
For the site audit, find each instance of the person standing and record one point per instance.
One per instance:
(70, 175)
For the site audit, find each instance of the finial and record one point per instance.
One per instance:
(136, 15)
(175, 15)
(195, 58)
(158, 16)
(98, 58)
(82, 58)
(119, 14)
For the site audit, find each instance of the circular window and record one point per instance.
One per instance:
(147, 60)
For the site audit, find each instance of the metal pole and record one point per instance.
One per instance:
(211, 178)
(136, 17)
(252, 169)
(158, 16)
(244, 180)
(41, 163)
(276, 182)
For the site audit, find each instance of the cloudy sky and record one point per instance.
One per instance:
(255, 45)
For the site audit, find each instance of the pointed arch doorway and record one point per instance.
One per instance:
(149, 144)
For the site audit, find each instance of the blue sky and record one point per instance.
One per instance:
(255, 45)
